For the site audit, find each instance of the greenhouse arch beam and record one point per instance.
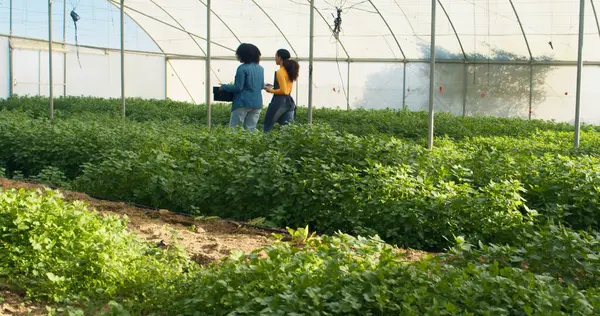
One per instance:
(222, 21)
(118, 6)
(522, 29)
(530, 58)
(389, 28)
(174, 27)
(276, 26)
(595, 16)
(453, 29)
(180, 25)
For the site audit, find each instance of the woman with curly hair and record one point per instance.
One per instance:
(247, 88)
(282, 108)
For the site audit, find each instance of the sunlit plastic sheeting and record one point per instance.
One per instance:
(487, 29)
(449, 88)
(590, 108)
(499, 90)
(185, 80)
(250, 22)
(376, 85)
(329, 83)
(556, 94)
(4, 68)
(99, 75)
(552, 27)
(417, 86)
(164, 27)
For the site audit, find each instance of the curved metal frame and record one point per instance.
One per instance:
(180, 25)
(276, 26)
(183, 27)
(522, 29)
(453, 29)
(595, 16)
(141, 27)
(389, 28)
(530, 59)
(222, 21)
(182, 83)
(172, 26)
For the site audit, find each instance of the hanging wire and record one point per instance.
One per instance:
(75, 17)
(474, 42)
(489, 44)
(337, 51)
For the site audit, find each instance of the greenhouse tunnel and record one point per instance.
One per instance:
(506, 58)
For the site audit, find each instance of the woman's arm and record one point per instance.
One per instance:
(238, 85)
(283, 84)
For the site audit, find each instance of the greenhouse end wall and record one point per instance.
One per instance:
(93, 72)
(4, 68)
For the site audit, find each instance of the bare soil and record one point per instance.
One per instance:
(14, 304)
(206, 241)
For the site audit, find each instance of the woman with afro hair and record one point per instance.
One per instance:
(247, 88)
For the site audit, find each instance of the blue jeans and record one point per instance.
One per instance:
(244, 117)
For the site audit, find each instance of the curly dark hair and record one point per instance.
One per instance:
(291, 66)
(248, 54)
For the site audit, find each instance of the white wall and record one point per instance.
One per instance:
(97, 72)
(4, 67)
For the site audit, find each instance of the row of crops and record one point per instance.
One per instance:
(516, 189)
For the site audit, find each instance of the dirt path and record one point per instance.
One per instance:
(13, 304)
(205, 241)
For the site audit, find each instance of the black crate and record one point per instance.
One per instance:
(223, 96)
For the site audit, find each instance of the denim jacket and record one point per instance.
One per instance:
(248, 86)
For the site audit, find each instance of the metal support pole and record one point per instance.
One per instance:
(50, 73)
(404, 85)
(166, 78)
(579, 71)
(39, 83)
(207, 70)
(465, 87)
(123, 113)
(348, 89)
(530, 89)
(297, 88)
(64, 35)
(431, 75)
(310, 60)
(10, 52)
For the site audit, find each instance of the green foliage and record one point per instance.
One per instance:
(571, 256)
(64, 253)
(484, 188)
(344, 275)
(400, 123)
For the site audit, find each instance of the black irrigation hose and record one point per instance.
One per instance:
(140, 206)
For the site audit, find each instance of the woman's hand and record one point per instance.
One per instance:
(269, 90)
